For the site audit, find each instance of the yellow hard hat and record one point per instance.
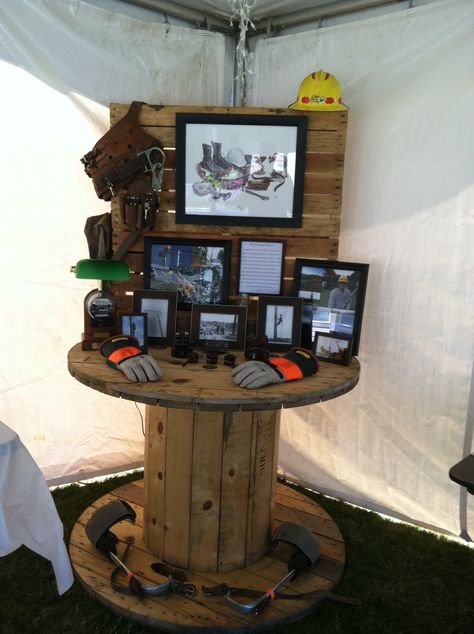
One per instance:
(343, 279)
(319, 91)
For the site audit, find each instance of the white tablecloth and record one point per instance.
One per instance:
(27, 512)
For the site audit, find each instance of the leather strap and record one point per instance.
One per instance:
(223, 589)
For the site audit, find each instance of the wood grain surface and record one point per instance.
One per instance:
(194, 387)
(175, 613)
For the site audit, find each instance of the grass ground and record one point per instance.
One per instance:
(409, 581)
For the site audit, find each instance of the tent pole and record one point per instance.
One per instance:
(181, 12)
(323, 11)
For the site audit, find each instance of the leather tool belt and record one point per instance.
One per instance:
(121, 155)
(128, 163)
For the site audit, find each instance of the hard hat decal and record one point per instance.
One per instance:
(324, 91)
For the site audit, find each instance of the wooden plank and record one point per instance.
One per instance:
(314, 203)
(260, 501)
(206, 490)
(179, 448)
(333, 141)
(322, 184)
(301, 247)
(314, 183)
(155, 458)
(327, 163)
(166, 115)
(276, 448)
(236, 454)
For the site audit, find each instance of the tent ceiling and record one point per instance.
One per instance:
(217, 13)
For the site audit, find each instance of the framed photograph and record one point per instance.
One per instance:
(333, 296)
(235, 169)
(160, 308)
(218, 327)
(197, 270)
(260, 266)
(279, 319)
(135, 325)
(333, 348)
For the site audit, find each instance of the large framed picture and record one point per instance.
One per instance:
(260, 266)
(160, 308)
(218, 327)
(135, 325)
(334, 348)
(279, 319)
(333, 296)
(240, 169)
(197, 270)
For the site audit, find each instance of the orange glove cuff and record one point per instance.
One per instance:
(123, 353)
(295, 364)
(288, 369)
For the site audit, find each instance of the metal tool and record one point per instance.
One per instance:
(99, 534)
(261, 602)
(137, 586)
(155, 167)
(306, 553)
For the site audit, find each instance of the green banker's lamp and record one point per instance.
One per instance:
(99, 305)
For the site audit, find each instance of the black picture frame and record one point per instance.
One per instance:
(279, 319)
(334, 348)
(135, 325)
(314, 281)
(237, 169)
(261, 263)
(161, 309)
(198, 270)
(218, 327)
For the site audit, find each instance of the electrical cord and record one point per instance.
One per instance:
(141, 417)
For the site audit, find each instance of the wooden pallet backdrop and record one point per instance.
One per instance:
(317, 238)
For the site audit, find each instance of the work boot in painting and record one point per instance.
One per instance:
(207, 167)
(217, 157)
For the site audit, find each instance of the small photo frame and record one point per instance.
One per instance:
(260, 266)
(279, 319)
(135, 325)
(334, 348)
(160, 308)
(218, 327)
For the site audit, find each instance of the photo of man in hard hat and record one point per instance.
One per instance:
(340, 297)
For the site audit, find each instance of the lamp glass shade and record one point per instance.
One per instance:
(112, 270)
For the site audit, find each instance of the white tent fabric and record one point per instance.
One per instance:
(407, 198)
(61, 64)
(407, 211)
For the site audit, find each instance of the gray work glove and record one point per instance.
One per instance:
(253, 374)
(140, 369)
(294, 365)
(123, 353)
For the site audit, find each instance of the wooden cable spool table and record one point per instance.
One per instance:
(209, 500)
